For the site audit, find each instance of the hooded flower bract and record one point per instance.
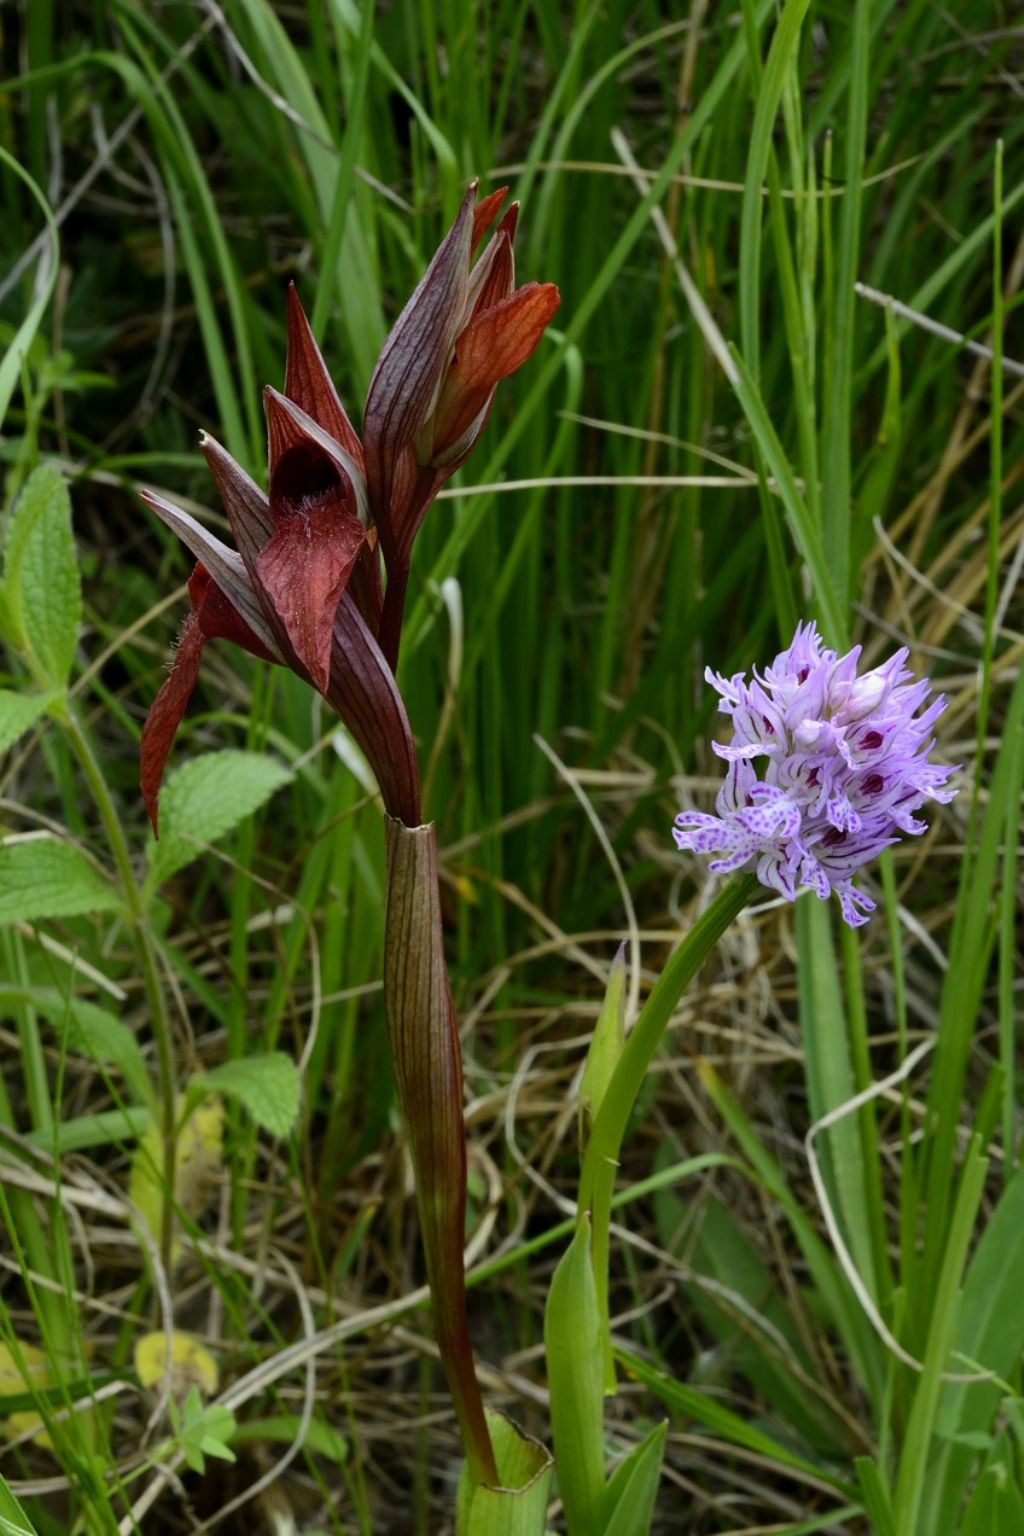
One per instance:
(825, 769)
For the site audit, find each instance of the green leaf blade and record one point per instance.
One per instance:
(42, 587)
(268, 1086)
(207, 798)
(43, 878)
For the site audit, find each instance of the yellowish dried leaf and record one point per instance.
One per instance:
(32, 1371)
(198, 1161)
(192, 1365)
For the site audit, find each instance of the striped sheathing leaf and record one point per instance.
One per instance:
(427, 1063)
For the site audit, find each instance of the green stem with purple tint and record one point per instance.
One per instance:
(610, 1125)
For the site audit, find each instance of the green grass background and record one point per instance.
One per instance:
(638, 508)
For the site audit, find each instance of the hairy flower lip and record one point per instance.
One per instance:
(290, 427)
(846, 763)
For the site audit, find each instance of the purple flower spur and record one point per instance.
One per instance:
(846, 766)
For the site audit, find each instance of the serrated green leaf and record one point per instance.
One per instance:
(206, 798)
(267, 1086)
(574, 1347)
(45, 878)
(19, 711)
(42, 587)
(633, 1488)
(91, 1030)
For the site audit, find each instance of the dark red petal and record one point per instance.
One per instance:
(493, 345)
(305, 569)
(410, 366)
(307, 382)
(218, 620)
(165, 715)
(364, 693)
(484, 215)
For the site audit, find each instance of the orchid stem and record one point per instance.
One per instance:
(393, 612)
(81, 746)
(609, 1129)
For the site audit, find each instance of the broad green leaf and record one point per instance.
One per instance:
(45, 878)
(19, 711)
(206, 798)
(633, 1488)
(268, 1086)
(42, 587)
(574, 1347)
(517, 1506)
(202, 1431)
(91, 1030)
(108, 1128)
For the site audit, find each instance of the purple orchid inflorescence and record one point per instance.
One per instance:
(846, 768)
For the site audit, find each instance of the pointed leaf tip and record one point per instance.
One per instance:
(485, 212)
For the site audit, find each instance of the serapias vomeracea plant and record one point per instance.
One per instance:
(317, 583)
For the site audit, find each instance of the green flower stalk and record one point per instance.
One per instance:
(317, 583)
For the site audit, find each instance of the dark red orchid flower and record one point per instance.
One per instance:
(303, 587)
(283, 594)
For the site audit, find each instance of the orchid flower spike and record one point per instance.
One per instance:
(846, 765)
(301, 587)
(304, 585)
